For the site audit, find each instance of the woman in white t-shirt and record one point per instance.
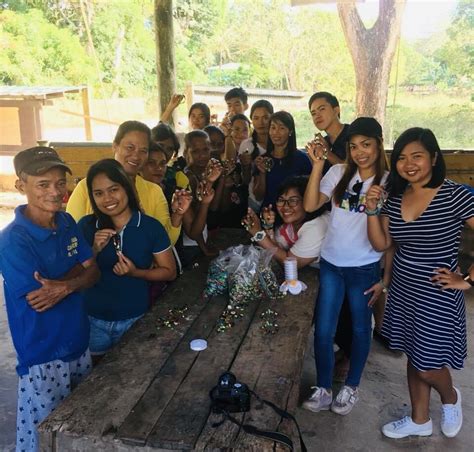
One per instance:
(349, 264)
(299, 234)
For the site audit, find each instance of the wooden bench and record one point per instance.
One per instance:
(151, 391)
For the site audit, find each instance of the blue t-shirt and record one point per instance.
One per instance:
(124, 297)
(61, 332)
(300, 165)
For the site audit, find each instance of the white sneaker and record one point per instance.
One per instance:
(320, 400)
(451, 417)
(406, 427)
(345, 400)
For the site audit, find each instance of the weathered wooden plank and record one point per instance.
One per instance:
(181, 423)
(143, 417)
(101, 403)
(271, 366)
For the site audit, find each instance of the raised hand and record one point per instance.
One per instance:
(101, 238)
(181, 201)
(251, 222)
(124, 266)
(214, 170)
(175, 100)
(206, 192)
(317, 149)
(375, 197)
(268, 217)
(260, 164)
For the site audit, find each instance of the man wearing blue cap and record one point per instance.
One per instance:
(45, 263)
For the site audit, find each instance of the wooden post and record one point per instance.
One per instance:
(189, 93)
(165, 61)
(87, 112)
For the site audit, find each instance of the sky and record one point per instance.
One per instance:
(421, 18)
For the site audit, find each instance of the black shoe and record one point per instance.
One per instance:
(381, 339)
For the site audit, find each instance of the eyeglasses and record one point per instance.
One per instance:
(354, 199)
(291, 202)
(117, 242)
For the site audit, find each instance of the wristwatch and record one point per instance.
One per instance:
(259, 236)
(466, 277)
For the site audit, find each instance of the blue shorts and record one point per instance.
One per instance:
(104, 334)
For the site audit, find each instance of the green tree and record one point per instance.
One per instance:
(35, 51)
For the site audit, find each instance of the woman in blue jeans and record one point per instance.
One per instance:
(349, 264)
(132, 250)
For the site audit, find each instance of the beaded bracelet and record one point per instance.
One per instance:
(372, 212)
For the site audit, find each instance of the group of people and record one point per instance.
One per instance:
(76, 281)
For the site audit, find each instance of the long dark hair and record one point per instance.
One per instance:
(287, 120)
(299, 183)
(205, 111)
(115, 172)
(162, 132)
(396, 183)
(262, 103)
(351, 169)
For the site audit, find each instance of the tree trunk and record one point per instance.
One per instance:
(372, 52)
(165, 61)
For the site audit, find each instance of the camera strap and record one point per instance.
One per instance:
(271, 435)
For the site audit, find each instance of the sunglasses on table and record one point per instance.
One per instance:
(292, 202)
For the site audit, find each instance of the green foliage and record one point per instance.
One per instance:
(456, 54)
(35, 51)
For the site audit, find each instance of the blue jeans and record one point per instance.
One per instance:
(334, 282)
(104, 334)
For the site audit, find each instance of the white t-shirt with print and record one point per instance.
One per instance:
(346, 243)
(310, 238)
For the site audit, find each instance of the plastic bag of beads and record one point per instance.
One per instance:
(217, 274)
(244, 286)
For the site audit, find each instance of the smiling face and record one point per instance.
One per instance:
(323, 113)
(290, 206)
(415, 164)
(239, 131)
(44, 193)
(364, 152)
(197, 119)
(199, 152)
(261, 120)
(279, 133)
(132, 151)
(110, 197)
(154, 169)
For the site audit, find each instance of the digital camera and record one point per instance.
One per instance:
(230, 395)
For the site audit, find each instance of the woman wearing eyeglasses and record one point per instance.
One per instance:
(297, 233)
(349, 264)
(131, 249)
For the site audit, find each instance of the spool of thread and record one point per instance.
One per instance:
(291, 283)
(291, 269)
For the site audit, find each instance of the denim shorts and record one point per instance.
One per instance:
(104, 334)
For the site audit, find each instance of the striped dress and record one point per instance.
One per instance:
(428, 324)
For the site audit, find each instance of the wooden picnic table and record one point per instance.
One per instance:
(151, 391)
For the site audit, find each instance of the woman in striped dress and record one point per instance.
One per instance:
(424, 216)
